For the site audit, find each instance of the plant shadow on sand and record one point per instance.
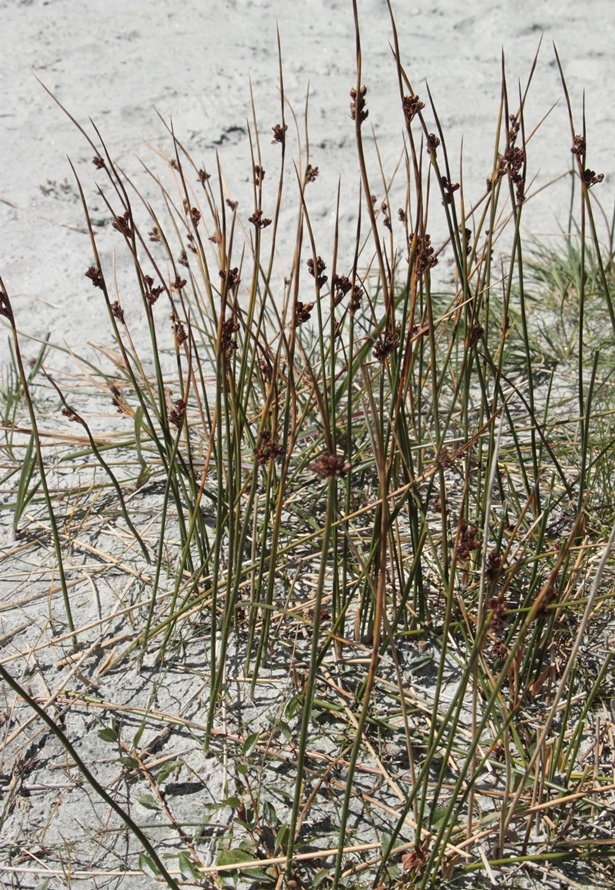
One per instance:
(309, 580)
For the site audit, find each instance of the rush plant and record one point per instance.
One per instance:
(349, 529)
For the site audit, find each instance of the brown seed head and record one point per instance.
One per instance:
(258, 221)
(117, 312)
(68, 412)
(5, 306)
(123, 223)
(341, 286)
(279, 134)
(310, 174)
(355, 301)
(178, 413)
(228, 344)
(303, 312)
(151, 293)
(328, 466)
(357, 106)
(469, 541)
(95, 276)
(180, 333)
(475, 335)
(424, 257)
(412, 105)
(591, 178)
(230, 279)
(432, 143)
(386, 345)
(268, 449)
(317, 270)
(448, 189)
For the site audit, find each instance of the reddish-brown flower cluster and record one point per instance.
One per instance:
(259, 221)
(151, 293)
(355, 300)
(310, 174)
(117, 312)
(116, 398)
(424, 257)
(357, 106)
(500, 171)
(123, 223)
(259, 174)
(469, 541)
(230, 279)
(548, 597)
(578, 146)
(266, 368)
(178, 414)
(95, 276)
(412, 105)
(279, 134)
(467, 233)
(500, 611)
(499, 652)
(386, 219)
(98, 162)
(591, 178)
(203, 176)
(5, 306)
(514, 159)
(72, 415)
(316, 270)
(154, 235)
(268, 449)
(448, 189)
(303, 312)
(446, 458)
(228, 344)
(328, 466)
(179, 283)
(341, 286)
(386, 345)
(432, 143)
(180, 333)
(494, 565)
(475, 335)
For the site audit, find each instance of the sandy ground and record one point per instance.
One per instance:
(119, 63)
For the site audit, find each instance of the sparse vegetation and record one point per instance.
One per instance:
(342, 534)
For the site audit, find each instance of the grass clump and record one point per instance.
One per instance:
(344, 547)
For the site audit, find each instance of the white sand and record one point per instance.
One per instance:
(118, 62)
